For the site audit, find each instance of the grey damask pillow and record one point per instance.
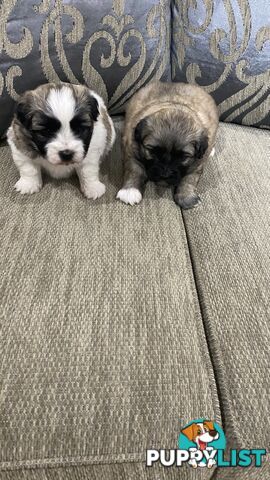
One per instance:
(114, 46)
(224, 46)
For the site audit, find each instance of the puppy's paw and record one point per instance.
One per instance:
(211, 462)
(27, 186)
(94, 190)
(193, 463)
(131, 196)
(187, 202)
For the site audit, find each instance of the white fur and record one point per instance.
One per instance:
(88, 171)
(102, 104)
(212, 153)
(56, 171)
(27, 186)
(30, 174)
(130, 196)
(62, 104)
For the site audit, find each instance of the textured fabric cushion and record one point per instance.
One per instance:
(229, 241)
(103, 350)
(224, 46)
(114, 46)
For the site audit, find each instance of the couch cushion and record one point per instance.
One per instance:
(224, 46)
(229, 242)
(114, 46)
(103, 351)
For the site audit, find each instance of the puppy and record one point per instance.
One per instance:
(169, 133)
(62, 129)
(201, 434)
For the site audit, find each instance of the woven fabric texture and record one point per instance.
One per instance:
(123, 471)
(113, 46)
(103, 350)
(224, 47)
(229, 244)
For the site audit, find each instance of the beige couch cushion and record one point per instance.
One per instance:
(229, 239)
(103, 350)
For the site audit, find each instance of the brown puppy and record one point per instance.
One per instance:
(169, 133)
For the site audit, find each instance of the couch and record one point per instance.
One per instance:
(121, 324)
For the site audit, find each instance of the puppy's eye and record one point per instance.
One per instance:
(45, 130)
(181, 154)
(47, 127)
(150, 148)
(199, 432)
(155, 149)
(187, 159)
(78, 125)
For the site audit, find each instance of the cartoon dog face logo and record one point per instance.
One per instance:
(201, 433)
(202, 438)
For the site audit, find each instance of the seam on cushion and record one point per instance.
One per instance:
(232, 432)
(208, 334)
(171, 38)
(213, 348)
(71, 461)
(215, 394)
(210, 339)
(173, 55)
(62, 464)
(245, 474)
(206, 356)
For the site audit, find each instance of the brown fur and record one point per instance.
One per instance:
(187, 106)
(107, 125)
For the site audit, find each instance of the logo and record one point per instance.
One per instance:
(202, 438)
(201, 444)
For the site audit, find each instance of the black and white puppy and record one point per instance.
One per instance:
(63, 129)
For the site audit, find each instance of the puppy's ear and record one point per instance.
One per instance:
(209, 424)
(23, 111)
(138, 132)
(201, 146)
(93, 107)
(189, 432)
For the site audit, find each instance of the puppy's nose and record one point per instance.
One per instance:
(166, 173)
(212, 433)
(66, 155)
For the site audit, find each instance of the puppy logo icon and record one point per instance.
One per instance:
(202, 438)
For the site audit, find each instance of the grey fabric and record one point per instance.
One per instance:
(123, 471)
(103, 351)
(224, 47)
(229, 244)
(114, 46)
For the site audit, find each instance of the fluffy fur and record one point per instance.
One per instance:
(169, 133)
(62, 129)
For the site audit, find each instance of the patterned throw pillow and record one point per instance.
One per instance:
(114, 46)
(224, 46)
